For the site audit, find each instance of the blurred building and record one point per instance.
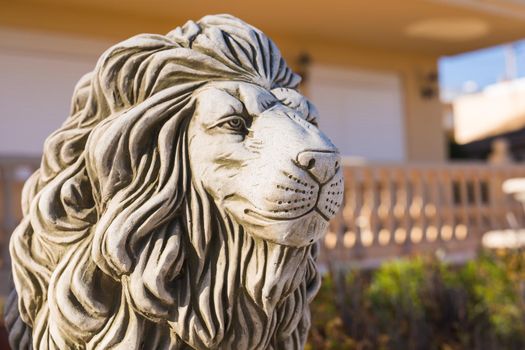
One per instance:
(369, 66)
(491, 121)
(367, 63)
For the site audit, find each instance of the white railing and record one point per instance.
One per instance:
(403, 209)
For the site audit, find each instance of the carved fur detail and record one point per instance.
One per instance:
(118, 247)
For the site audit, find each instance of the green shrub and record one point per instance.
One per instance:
(423, 304)
(494, 295)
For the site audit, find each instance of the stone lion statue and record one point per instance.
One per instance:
(180, 204)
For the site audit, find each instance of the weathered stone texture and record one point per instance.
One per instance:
(180, 204)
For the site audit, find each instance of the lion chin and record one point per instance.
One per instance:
(180, 204)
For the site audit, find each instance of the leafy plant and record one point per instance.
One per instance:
(423, 303)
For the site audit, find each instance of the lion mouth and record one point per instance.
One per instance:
(265, 215)
(325, 200)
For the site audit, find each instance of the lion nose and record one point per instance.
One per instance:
(321, 165)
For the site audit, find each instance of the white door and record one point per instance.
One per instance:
(361, 111)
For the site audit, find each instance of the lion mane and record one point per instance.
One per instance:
(118, 247)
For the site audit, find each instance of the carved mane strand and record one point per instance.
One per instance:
(113, 208)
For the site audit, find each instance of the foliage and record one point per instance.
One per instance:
(422, 303)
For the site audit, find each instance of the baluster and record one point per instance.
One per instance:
(367, 217)
(416, 207)
(461, 227)
(386, 209)
(431, 209)
(477, 224)
(449, 206)
(407, 220)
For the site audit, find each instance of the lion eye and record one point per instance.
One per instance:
(235, 124)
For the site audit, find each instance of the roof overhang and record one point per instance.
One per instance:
(430, 27)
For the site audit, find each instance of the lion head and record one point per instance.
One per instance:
(180, 204)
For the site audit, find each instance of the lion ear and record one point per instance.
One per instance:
(292, 99)
(313, 113)
(295, 100)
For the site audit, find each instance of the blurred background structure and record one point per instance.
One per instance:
(431, 126)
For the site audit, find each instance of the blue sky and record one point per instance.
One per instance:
(484, 67)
